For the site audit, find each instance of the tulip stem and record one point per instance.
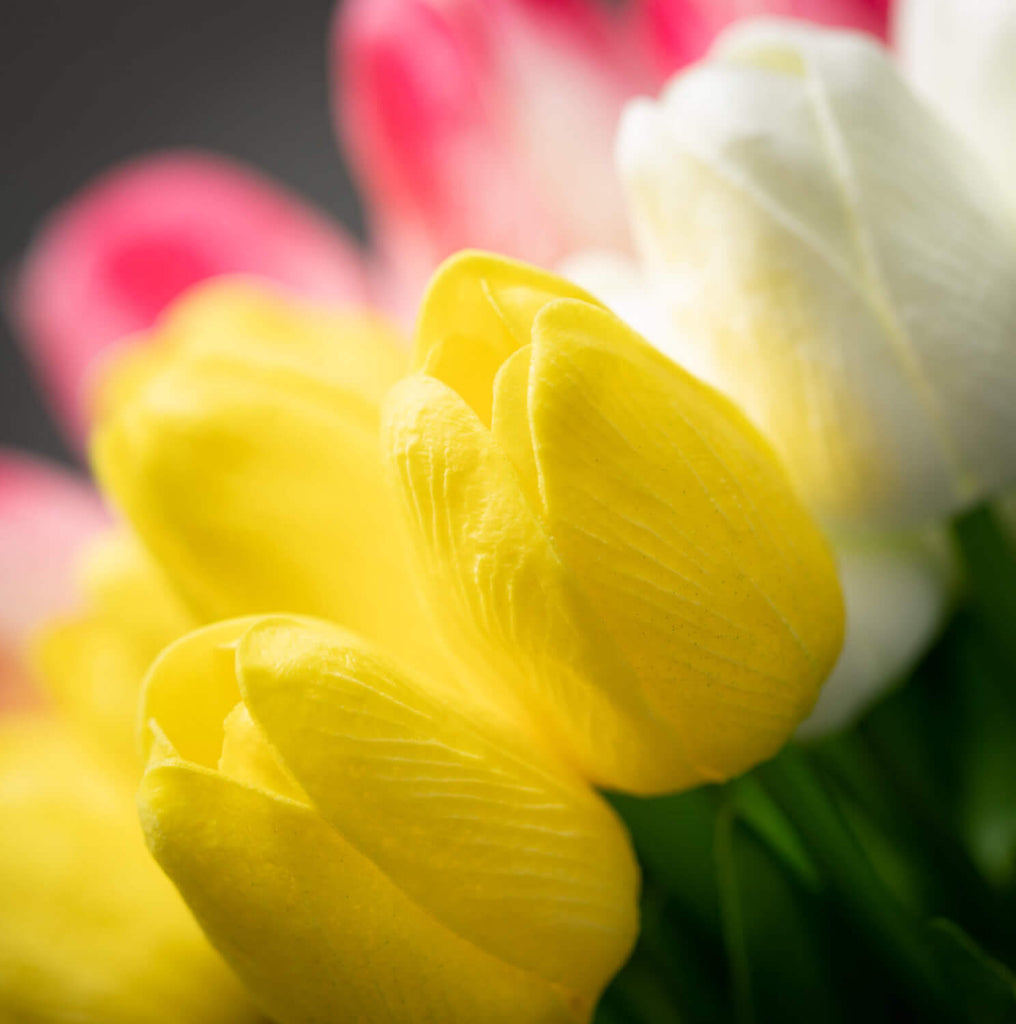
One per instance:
(990, 563)
(851, 879)
(731, 915)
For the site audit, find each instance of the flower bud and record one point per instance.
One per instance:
(844, 259)
(243, 448)
(360, 847)
(615, 538)
(90, 929)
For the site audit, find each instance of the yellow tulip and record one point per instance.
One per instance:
(616, 542)
(362, 849)
(90, 930)
(244, 451)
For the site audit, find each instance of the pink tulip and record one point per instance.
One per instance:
(486, 124)
(46, 514)
(677, 32)
(107, 263)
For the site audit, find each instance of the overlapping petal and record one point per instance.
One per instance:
(107, 263)
(317, 849)
(612, 531)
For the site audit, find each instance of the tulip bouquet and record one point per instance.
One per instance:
(596, 601)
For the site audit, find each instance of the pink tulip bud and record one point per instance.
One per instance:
(109, 261)
(680, 31)
(484, 124)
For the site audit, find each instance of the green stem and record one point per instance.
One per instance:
(990, 563)
(849, 875)
(730, 912)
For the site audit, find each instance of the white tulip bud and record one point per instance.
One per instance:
(844, 259)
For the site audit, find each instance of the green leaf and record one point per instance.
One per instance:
(986, 988)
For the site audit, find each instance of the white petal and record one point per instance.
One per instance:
(962, 58)
(643, 300)
(898, 592)
(845, 259)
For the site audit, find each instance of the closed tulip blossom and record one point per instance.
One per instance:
(399, 825)
(362, 847)
(612, 533)
(821, 246)
(848, 271)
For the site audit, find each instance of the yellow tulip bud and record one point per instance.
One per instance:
(616, 541)
(244, 452)
(360, 848)
(90, 929)
(845, 262)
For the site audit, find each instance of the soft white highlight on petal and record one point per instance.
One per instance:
(642, 300)
(962, 58)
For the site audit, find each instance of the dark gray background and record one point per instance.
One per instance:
(85, 83)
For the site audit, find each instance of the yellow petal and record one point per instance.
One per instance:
(93, 661)
(510, 602)
(364, 851)
(477, 310)
(623, 550)
(543, 874)
(90, 929)
(707, 574)
(315, 930)
(190, 689)
(249, 466)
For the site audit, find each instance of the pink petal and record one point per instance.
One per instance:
(484, 123)
(106, 263)
(680, 31)
(46, 515)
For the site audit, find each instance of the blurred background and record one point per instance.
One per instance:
(85, 85)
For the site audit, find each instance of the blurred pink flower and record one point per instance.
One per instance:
(677, 32)
(46, 514)
(108, 262)
(486, 124)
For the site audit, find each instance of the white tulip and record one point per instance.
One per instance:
(843, 262)
(962, 57)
